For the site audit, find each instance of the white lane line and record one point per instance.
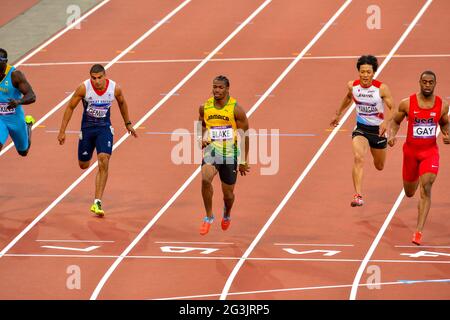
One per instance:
(314, 244)
(181, 242)
(274, 215)
(59, 34)
(178, 257)
(76, 241)
(111, 63)
(377, 239)
(46, 64)
(175, 196)
(399, 282)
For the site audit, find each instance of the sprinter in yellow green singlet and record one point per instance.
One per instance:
(222, 121)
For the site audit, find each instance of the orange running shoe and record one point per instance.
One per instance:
(206, 224)
(357, 200)
(226, 221)
(417, 238)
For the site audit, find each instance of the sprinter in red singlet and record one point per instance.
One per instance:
(425, 111)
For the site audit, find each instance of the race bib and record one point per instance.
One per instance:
(424, 131)
(221, 133)
(97, 112)
(4, 109)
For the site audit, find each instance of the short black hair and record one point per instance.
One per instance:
(223, 79)
(97, 68)
(428, 72)
(3, 54)
(368, 59)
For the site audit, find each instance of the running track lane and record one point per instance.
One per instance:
(96, 32)
(396, 240)
(179, 216)
(319, 213)
(37, 164)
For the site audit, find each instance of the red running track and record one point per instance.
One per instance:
(143, 177)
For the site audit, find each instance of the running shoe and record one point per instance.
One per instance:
(225, 220)
(357, 200)
(29, 120)
(206, 224)
(417, 238)
(97, 209)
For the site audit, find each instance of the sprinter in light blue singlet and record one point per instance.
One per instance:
(15, 91)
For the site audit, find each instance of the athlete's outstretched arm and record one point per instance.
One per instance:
(403, 110)
(79, 94)
(242, 127)
(389, 111)
(21, 83)
(344, 105)
(123, 106)
(443, 123)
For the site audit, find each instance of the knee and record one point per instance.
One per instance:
(103, 163)
(359, 159)
(426, 190)
(409, 193)
(84, 165)
(229, 195)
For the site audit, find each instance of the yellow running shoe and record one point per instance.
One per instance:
(29, 120)
(97, 209)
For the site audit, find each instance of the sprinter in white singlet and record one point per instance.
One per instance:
(371, 97)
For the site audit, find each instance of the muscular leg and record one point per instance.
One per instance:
(208, 173)
(379, 157)
(426, 183)
(102, 174)
(360, 147)
(228, 197)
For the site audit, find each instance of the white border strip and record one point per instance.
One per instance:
(62, 32)
(377, 239)
(173, 257)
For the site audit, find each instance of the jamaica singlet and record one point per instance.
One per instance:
(221, 127)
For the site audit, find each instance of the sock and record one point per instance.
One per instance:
(98, 200)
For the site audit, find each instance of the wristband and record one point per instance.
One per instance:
(129, 122)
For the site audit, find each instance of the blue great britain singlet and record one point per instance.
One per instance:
(97, 105)
(8, 91)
